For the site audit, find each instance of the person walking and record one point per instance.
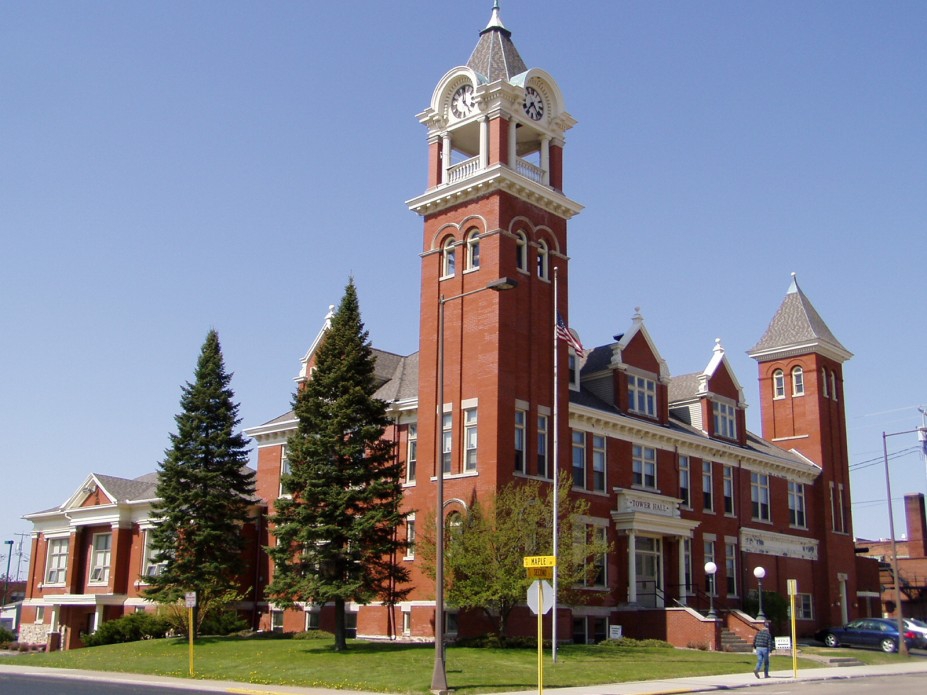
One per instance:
(762, 644)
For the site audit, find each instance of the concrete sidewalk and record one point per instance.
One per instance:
(694, 684)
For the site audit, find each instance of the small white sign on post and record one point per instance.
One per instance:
(614, 632)
(783, 643)
(547, 596)
(190, 599)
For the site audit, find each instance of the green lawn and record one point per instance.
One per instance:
(397, 668)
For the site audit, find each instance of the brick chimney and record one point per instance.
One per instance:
(917, 525)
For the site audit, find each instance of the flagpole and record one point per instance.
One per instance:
(556, 472)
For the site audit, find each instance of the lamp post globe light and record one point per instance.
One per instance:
(439, 675)
(710, 569)
(760, 573)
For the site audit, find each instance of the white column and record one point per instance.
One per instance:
(484, 143)
(97, 618)
(513, 137)
(53, 622)
(844, 617)
(682, 570)
(445, 157)
(632, 568)
(545, 160)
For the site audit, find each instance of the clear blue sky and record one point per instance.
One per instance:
(169, 167)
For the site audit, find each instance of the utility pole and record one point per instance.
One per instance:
(19, 561)
(6, 579)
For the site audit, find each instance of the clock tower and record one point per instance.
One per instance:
(494, 209)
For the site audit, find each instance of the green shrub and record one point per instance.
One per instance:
(6, 636)
(224, 622)
(129, 628)
(314, 634)
(631, 643)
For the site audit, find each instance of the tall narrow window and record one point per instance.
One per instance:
(798, 381)
(708, 497)
(584, 537)
(542, 260)
(150, 568)
(410, 536)
(687, 563)
(412, 455)
(840, 506)
(824, 382)
(710, 557)
(473, 249)
(644, 466)
(100, 559)
(57, 565)
(797, 504)
(778, 384)
(448, 259)
(542, 447)
(520, 417)
(759, 496)
(728, 475)
(521, 252)
(685, 482)
(598, 463)
(642, 395)
(730, 567)
(284, 470)
(470, 439)
(579, 459)
(447, 441)
(833, 385)
(725, 420)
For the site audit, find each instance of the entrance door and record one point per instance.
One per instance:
(649, 580)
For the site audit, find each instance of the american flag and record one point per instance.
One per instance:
(564, 333)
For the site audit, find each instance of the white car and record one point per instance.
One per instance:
(919, 628)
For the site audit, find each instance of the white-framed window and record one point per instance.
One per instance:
(276, 620)
(470, 439)
(725, 419)
(521, 252)
(447, 441)
(284, 470)
(687, 564)
(841, 518)
(573, 366)
(543, 470)
(407, 623)
(710, 579)
(598, 463)
(520, 420)
(804, 607)
(798, 381)
(586, 536)
(833, 385)
(39, 615)
(411, 452)
(100, 557)
(824, 382)
(448, 259)
(150, 568)
(759, 496)
(778, 384)
(56, 567)
(644, 466)
(473, 249)
(543, 261)
(685, 482)
(410, 537)
(727, 473)
(797, 505)
(579, 459)
(730, 567)
(708, 492)
(312, 619)
(642, 395)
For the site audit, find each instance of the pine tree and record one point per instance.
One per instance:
(336, 529)
(204, 491)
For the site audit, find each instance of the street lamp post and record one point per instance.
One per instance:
(760, 573)
(6, 580)
(439, 675)
(710, 569)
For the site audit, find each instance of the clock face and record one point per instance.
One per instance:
(462, 101)
(534, 104)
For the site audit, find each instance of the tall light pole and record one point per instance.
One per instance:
(439, 675)
(759, 573)
(710, 569)
(902, 647)
(6, 581)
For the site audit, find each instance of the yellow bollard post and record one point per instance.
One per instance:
(190, 631)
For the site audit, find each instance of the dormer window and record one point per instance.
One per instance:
(798, 381)
(448, 259)
(473, 249)
(642, 395)
(725, 420)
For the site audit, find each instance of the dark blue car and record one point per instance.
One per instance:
(866, 632)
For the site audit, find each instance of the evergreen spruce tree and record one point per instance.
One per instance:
(336, 529)
(204, 493)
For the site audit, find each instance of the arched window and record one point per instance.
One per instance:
(453, 526)
(798, 381)
(448, 260)
(778, 384)
(521, 252)
(542, 260)
(473, 249)
(833, 385)
(824, 382)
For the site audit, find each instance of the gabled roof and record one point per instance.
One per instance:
(495, 56)
(797, 329)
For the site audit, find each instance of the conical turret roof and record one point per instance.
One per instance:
(797, 329)
(495, 56)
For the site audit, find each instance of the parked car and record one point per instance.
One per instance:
(866, 632)
(919, 628)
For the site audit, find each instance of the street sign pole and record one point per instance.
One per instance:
(190, 601)
(792, 587)
(540, 638)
